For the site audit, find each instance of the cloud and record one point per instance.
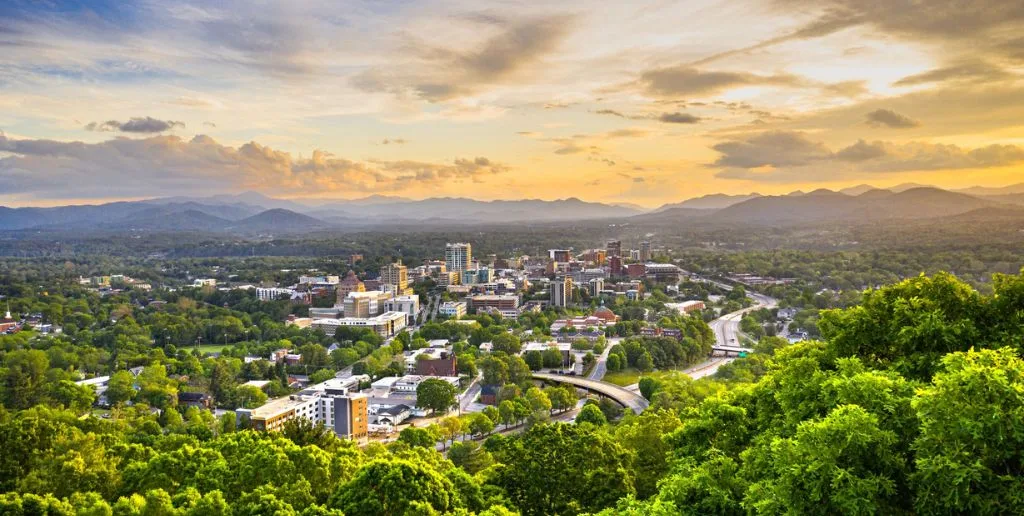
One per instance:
(442, 74)
(625, 133)
(851, 89)
(678, 118)
(890, 118)
(971, 71)
(831, 21)
(170, 165)
(569, 146)
(793, 157)
(668, 118)
(395, 141)
(687, 81)
(933, 20)
(145, 125)
(862, 151)
(770, 149)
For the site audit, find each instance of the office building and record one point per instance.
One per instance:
(645, 251)
(615, 265)
(396, 277)
(453, 309)
(409, 305)
(501, 302)
(561, 292)
(614, 248)
(343, 412)
(458, 256)
(663, 272)
(273, 294)
(351, 283)
(596, 286)
(365, 304)
(560, 255)
(387, 324)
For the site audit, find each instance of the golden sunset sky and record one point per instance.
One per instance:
(638, 102)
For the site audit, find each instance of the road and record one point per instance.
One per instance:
(601, 366)
(624, 397)
(471, 394)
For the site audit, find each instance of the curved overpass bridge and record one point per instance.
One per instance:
(622, 396)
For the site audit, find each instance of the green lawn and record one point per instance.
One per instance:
(623, 378)
(211, 348)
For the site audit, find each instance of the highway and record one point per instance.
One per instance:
(622, 396)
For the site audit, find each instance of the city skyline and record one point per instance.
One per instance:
(103, 101)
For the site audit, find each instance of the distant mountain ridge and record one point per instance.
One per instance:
(251, 212)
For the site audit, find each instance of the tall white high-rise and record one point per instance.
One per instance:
(457, 257)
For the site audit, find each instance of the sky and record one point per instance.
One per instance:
(628, 102)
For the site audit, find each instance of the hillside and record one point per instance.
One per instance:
(278, 220)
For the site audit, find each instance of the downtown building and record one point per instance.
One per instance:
(458, 256)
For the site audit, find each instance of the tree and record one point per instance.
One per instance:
(77, 398)
(305, 432)
(506, 343)
(23, 378)
(591, 414)
(249, 396)
(507, 410)
(420, 437)
(562, 398)
(394, 487)
(648, 386)
(470, 456)
(495, 370)
(121, 388)
(451, 427)
(561, 469)
(156, 388)
(614, 362)
(645, 363)
(321, 376)
(313, 355)
(534, 359)
(842, 464)
(538, 401)
(436, 395)
(972, 434)
(492, 413)
(552, 358)
(480, 424)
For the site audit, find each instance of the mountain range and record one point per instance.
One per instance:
(254, 213)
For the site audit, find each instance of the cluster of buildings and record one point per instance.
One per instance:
(113, 283)
(352, 413)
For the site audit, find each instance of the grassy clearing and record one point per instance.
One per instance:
(212, 348)
(623, 378)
